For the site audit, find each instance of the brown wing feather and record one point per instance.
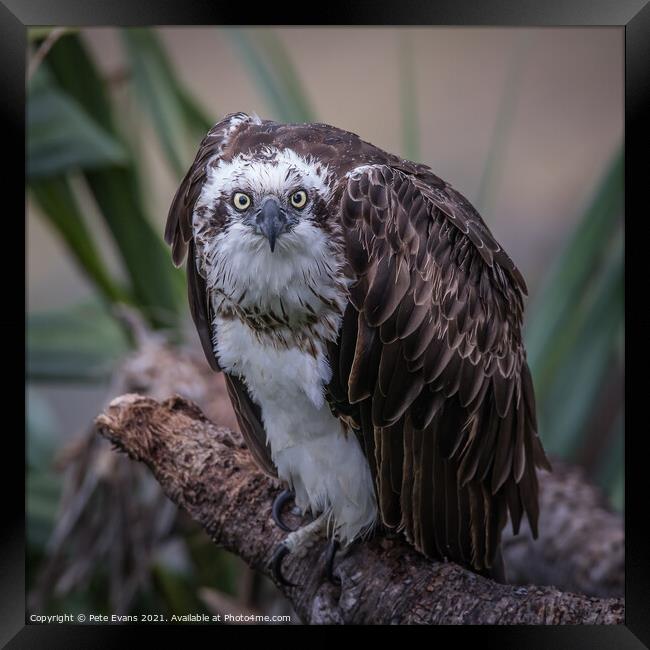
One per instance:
(439, 378)
(250, 422)
(200, 307)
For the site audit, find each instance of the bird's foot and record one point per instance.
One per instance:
(276, 564)
(332, 547)
(297, 541)
(276, 511)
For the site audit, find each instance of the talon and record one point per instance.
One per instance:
(276, 564)
(276, 510)
(332, 547)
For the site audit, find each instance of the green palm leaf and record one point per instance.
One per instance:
(157, 287)
(178, 120)
(275, 74)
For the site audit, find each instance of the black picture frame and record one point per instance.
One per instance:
(16, 15)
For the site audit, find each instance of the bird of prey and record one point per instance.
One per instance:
(369, 328)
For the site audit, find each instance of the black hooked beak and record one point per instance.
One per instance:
(271, 220)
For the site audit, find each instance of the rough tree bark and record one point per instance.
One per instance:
(207, 471)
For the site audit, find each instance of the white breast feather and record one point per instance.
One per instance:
(326, 467)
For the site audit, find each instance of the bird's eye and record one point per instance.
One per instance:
(241, 201)
(299, 199)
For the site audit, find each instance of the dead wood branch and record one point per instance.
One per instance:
(581, 543)
(207, 471)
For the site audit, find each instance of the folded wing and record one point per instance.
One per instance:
(431, 365)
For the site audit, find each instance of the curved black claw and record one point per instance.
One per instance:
(276, 564)
(332, 547)
(276, 510)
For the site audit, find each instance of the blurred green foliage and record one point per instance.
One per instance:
(81, 344)
(408, 99)
(177, 118)
(153, 285)
(574, 328)
(575, 332)
(274, 73)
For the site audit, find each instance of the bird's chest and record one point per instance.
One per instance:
(288, 383)
(311, 451)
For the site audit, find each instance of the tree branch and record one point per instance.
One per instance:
(207, 471)
(581, 543)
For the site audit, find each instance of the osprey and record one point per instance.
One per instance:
(369, 328)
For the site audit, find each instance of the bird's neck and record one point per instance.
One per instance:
(305, 310)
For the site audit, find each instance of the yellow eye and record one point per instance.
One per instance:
(299, 199)
(241, 201)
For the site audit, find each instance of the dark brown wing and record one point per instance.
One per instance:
(249, 417)
(200, 307)
(179, 235)
(431, 363)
